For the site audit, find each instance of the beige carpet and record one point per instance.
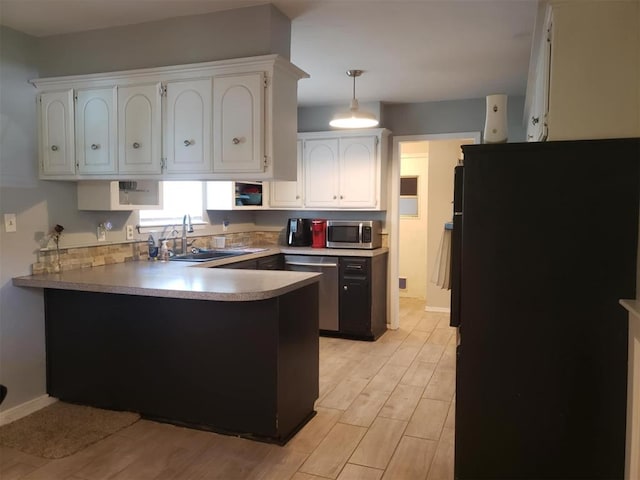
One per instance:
(62, 429)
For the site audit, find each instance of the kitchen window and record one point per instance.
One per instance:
(179, 198)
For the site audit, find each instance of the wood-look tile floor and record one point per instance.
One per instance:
(386, 411)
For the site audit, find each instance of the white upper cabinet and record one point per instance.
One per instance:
(139, 129)
(288, 194)
(232, 119)
(188, 132)
(345, 169)
(321, 172)
(57, 155)
(583, 75)
(96, 136)
(359, 172)
(238, 140)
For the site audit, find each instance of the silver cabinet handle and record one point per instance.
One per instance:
(345, 288)
(235, 140)
(308, 264)
(54, 148)
(188, 143)
(95, 146)
(297, 197)
(341, 197)
(334, 197)
(136, 145)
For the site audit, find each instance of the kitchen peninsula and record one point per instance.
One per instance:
(219, 349)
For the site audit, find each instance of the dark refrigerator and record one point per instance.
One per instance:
(544, 245)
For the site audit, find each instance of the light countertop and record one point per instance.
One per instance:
(175, 280)
(192, 280)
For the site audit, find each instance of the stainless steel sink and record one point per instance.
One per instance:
(206, 255)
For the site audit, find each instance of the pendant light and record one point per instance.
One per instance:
(354, 118)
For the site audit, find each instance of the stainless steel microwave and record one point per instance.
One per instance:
(354, 234)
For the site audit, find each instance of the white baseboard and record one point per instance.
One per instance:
(437, 309)
(24, 409)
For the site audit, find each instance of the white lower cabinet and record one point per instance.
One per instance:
(95, 132)
(288, 194)
(56, 130)
(188, 131)
(139, 129)
(345, 170)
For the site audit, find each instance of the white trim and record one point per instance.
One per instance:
(437, 309)
(393, 214)
(26, 408)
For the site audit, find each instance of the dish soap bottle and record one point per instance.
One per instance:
(153, 249)
(164, 251)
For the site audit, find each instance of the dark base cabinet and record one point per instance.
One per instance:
(271, 262)
(363, 296)
(245, 368)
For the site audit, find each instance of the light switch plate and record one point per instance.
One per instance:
(10, 222)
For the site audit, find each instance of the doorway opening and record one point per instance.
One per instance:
(416, 218)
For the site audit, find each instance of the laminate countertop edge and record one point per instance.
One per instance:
(174, 280)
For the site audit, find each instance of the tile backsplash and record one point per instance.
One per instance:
(51, 260)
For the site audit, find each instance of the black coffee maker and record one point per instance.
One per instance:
(299, 232)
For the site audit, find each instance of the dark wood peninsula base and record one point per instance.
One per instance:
(247, 368)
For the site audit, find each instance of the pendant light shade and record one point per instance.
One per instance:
(354, 118)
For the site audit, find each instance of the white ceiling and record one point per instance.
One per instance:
(410, 50)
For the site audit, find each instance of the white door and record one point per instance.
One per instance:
(57, 156)
(139, 129)
(238, 137)
(288, 194)
(358, 172)
(96, 131)
(321, 175)
(189, 126)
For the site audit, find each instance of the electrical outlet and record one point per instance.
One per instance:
(10, 222)
(101, 233)
(129, 232)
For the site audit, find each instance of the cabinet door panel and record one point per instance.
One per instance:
(355, 309)
(288, 194)
(57, 154)
(321, 172)
(189, 126)
(358, 172)
(238, 105)
(96, 131)
(139, 125)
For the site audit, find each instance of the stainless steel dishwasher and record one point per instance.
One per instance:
(328, 291)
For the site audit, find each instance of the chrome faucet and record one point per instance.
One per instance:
(187, 227)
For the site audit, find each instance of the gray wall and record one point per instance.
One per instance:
(22, 360)
(242, 32)
(422, 118)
